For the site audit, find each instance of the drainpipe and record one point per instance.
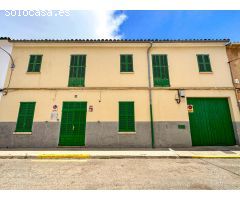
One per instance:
(150, 94)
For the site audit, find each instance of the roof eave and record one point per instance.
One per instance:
(120, 41)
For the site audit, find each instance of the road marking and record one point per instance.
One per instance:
(216, 156)
(59, 156)
(58, 160)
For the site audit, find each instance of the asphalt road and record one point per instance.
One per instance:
(120, 174)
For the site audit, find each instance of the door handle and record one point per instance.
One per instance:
(73, 127)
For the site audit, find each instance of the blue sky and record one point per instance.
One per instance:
(126, 25)
(182, 24)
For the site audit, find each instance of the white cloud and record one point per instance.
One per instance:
(91, 24)
(79, 25)
(107, 24)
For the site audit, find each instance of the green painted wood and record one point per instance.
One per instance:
(126, 63)
(204, 64)
(34, 64)
(77, 71)
(73, 124)
(210, 122)
(126, 117)
(160, 71)
(25, 117)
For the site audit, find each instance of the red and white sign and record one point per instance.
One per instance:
(190, 108)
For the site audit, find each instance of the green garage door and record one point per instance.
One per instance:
(210, 122)
(73, 124)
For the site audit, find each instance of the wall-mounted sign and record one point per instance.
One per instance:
(90, 109)
(54, 115)
(190, 108)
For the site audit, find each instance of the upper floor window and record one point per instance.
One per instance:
(160, 70)
(204, 64)
(34, 64)
(77, 71)
(126, 63)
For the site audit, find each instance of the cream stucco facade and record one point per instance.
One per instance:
(105, 86)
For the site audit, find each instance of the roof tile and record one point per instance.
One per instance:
(114, 40)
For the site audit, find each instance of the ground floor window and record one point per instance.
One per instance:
(25, 117)
(126, 117)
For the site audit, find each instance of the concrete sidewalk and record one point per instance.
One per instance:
(83, 153)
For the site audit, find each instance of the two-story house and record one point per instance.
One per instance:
(119, 93)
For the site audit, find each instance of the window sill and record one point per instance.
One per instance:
(205, 72)
(127, 133)
(33, 72)
(157, 86)
(76, 86)
(22, 133)
(126, 72)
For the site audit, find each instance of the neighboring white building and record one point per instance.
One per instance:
(4, 60)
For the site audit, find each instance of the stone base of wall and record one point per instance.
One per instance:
(168, 134)
(105, 134)
(44, 134)
(236, 126)
(99, 134)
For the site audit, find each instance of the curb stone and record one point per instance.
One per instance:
(88, 156)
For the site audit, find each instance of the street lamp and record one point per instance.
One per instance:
(12, 65)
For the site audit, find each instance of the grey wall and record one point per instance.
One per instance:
(105, 134)
(44, 134)
(167, 134)
(236, 127)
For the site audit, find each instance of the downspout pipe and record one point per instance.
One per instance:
(150, 94)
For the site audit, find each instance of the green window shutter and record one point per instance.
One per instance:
(126, 63)
(25, 117)
(204, 64)
(34, 64)
(126, 117)
(77, 71)
(160, 70)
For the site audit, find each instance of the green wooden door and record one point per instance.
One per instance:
(210, 122)
(73, 124)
